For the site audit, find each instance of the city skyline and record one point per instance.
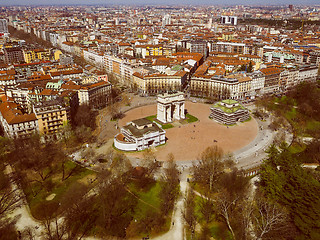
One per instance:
(164, 2)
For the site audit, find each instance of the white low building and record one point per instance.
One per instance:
(138, 135)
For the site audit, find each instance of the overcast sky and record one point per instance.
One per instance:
(158, 2)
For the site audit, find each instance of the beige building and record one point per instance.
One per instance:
(159, 83)
(52, 117)
(95, 95)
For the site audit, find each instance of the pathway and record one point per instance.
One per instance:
(176, 230)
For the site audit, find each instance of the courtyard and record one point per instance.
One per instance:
(187, 141)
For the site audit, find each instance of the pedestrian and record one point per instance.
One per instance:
(172, 223)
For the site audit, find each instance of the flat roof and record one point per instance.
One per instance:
(229, 101)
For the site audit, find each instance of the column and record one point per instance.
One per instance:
(182, 111)
(169, 117)
(177, 111)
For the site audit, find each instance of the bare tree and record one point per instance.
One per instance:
(150, 163)
(209, 166)
(267, 217)
(225, 207)
(28, 233)
(206, 207)
(120, 164)
(169, 186)
(54, 229)
(230, 201)
(10, 195)
(188, 212)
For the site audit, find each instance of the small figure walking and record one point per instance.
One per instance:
(172, 223)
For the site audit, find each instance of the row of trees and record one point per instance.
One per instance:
(104, 208)
(284, 181)
(229, 198)
(30, 38)
(153, 88)
(210, 92)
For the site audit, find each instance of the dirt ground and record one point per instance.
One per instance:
(188, 141)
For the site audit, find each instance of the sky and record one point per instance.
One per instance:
(159, 2)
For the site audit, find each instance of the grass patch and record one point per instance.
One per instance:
(313, 125)
(36, 193)
(190, 118)
(167, 126)
(148, 197)
(151, 118)
(248, 120)
(297, 148)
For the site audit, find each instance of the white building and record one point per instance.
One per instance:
(16, 124)
(138, 135)
(232, 20)
(3, 26)
(170, 107)
(308, 73)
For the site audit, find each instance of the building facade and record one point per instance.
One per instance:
(138, 135)
(229, 112)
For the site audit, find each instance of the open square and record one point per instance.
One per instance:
(187, 141)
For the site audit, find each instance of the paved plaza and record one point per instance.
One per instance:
(187, 141)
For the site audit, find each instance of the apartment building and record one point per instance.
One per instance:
(16, 124)
(52, 116)
(95, 95)
(151, 84)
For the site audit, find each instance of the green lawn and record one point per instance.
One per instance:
(297, 148)
(313, 125)
(149, 197)
(151, 118)
(190, 118)
(57, 186)
(218, 230)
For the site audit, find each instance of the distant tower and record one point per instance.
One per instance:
(230, 20)
(291, 7)
(3, 26)
(209, 23)
(166, 20)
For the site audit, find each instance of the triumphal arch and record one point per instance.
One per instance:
(170, 107)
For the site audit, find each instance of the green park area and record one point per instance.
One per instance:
(55, 188)
(300, 108)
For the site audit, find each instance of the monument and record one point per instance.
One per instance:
(229, 112)
(170, 107)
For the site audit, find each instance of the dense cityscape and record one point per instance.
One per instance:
(160, 122)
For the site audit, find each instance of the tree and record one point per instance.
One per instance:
(150, 163)
(206, 208)
(115, 205)
(54, 229)
(209, 166)
(169, 186)
(283, 180)
(233, 189)
(79, 217)
(85, 116)
(10, 199)
(120, 164)
(114, 109)
(188, 212)
(267, 217)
